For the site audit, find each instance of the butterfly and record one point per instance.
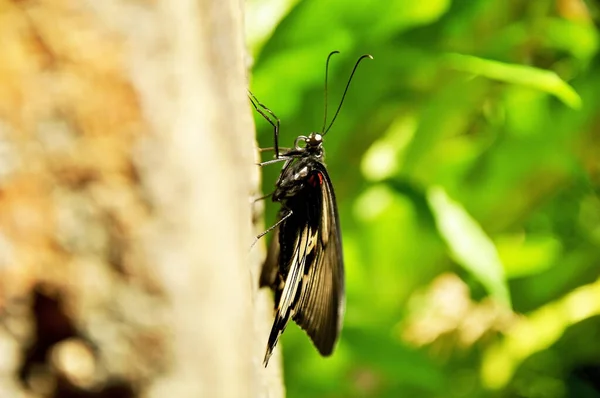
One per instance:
(304, 265)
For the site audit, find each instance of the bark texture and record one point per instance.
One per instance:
(126, 173)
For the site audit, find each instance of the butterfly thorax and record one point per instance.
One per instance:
(303, 171)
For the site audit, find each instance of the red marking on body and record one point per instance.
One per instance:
(316, 181)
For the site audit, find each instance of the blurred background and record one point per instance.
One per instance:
(466, 168)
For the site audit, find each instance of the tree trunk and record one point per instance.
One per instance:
(126, 177)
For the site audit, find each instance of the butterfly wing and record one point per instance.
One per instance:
(320, 308)
(287, 291)
(268, 273)
(311, 271)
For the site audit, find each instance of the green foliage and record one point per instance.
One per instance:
(467, 170)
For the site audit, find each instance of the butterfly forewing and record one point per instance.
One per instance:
(320, 307)
(309, 285)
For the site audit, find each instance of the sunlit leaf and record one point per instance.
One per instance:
(468, 243)
(538, 331)
(577, 38)
(396, 14)
(262, 17)
(540, 79)
(527, 255)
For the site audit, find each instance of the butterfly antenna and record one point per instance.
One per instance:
(326, 73)
(346, 89)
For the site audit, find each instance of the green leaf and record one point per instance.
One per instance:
(539, 79)
(469, 245)
(265, 16)
(524, 255)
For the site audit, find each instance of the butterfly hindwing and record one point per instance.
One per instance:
(289, 288)
(310, 273)
(268, 273)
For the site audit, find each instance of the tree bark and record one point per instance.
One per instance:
(126, 177)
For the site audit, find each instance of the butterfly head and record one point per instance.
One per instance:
(313, 144)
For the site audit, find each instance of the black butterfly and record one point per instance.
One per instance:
(305, 266)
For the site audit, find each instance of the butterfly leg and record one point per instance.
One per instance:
(272, 227)
(262, 197)
(281, 159)
(260, 108)
(273, 148)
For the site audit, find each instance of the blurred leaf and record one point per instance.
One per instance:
(519, 205)
(469, 244)
(577, 38)
(382, 159)
(403, 365)
(538, 331)
(540, 79)
(527, 255)
(445, 115)
(396, 14)
(262, 17)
